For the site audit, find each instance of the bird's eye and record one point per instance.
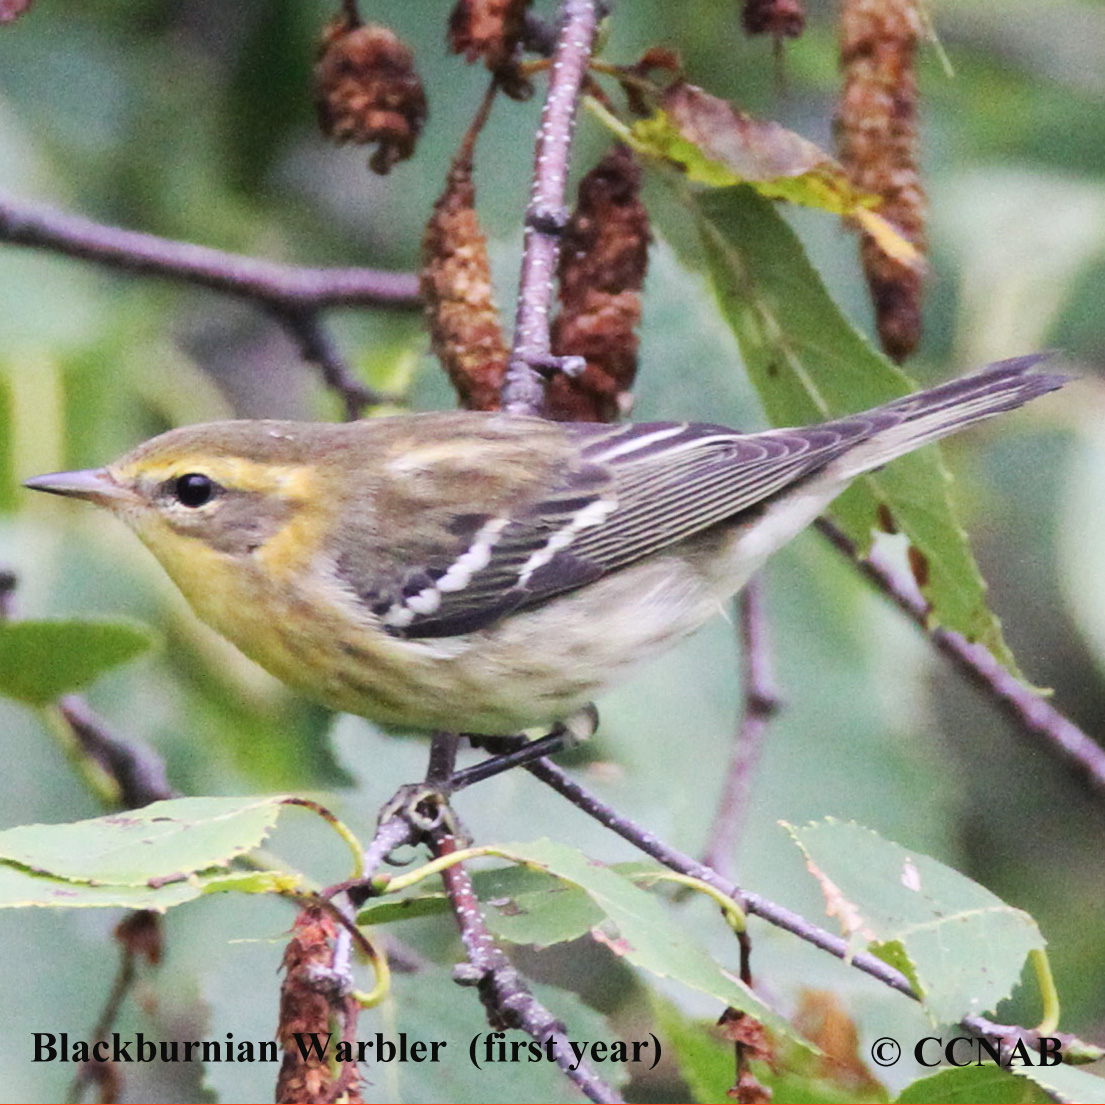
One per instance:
(193, 489)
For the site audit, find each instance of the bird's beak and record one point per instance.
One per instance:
(94, 484)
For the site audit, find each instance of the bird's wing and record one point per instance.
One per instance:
(634, 490)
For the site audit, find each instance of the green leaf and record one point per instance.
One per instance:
(20, 888)
(1066, 1083)
(808, 363)
(521, 904)
(641, 930)
(404, 907)
(162, 841)
(704, 1061)
(988, 1083)
(40, 660)
(964, 947)
(550, 915)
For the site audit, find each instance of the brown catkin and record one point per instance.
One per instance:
(603, 260)
(455, 279)
(367, 91)
(492, 30)
(878, 140)
(305, 1008)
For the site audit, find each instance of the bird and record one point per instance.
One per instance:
(486, 572)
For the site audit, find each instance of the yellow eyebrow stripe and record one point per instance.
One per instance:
(293, 481)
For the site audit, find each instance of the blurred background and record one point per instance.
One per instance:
(192, 119)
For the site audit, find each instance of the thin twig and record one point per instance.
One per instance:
(761, 703)
(392, 833)
(318, 347)
(1008, 1036)
(505, 996)
(269, 282)
(546, 215)
(294, 295)
(1031, 713)
(139, 934)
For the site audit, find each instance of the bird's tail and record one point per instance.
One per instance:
(906, 424)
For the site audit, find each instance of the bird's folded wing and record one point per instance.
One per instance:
(638, 489)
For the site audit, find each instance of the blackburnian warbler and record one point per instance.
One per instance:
(484, 572)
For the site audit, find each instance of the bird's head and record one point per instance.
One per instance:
(211, 495)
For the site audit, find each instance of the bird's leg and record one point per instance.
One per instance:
(443, 759)
(425, 806)
(515, 751)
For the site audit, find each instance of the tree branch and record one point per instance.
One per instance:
(546, 215)
(1031, 713)
(268, 282)
(293, 294)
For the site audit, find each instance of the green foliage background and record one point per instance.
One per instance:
(191, 119)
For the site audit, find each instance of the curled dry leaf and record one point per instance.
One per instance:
(716, 144)
(637, 79)
(919, 566)
(455, 279)
(749, 1090)
(878, 141)
(823, 1021)
(742, 1029)
(367, 91)
(603, 260)
(492, 30)
(11, 10)
(778, 18)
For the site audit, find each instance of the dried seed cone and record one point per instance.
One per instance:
(492, 30)
(779, 18)
(305, 1008)
(367, 91)
(877, 135)
(463, 320)
(603, 260)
